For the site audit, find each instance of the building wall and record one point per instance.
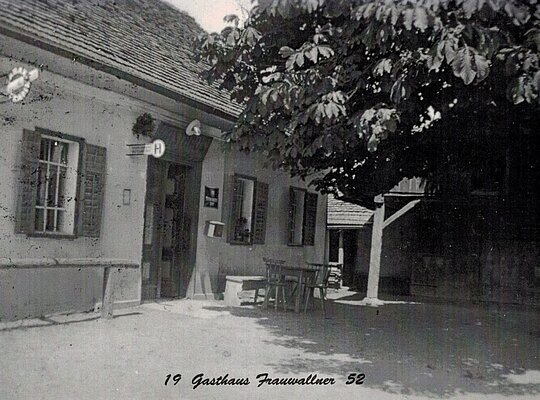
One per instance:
(453, 253)
(74, 99)
(215, 257)
(101, 118)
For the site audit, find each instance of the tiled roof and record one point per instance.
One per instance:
(343, 214)
(148, 39)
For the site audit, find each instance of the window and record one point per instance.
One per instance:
(243, 202)
(249, 201)
(302, 217)
(61, 185)
(296, 215)
(56, 186)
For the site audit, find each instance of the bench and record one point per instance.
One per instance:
(236, 284)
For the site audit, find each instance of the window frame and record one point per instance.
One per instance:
(307, 197)
(90, 186)
(232, 240)
(76, 212)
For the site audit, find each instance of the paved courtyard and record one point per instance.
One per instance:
(406, 350)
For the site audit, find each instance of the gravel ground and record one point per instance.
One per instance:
(406, 350)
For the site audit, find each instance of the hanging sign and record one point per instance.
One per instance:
(155, 149)
(211, 197)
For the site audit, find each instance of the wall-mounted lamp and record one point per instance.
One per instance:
(194, 128)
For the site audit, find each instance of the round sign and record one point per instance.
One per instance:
(18, 83)
(158, 148)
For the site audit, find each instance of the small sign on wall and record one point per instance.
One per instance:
(211, 197)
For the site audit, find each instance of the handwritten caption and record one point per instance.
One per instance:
(264, 379)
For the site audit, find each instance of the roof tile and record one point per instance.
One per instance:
(341, 213)
(149, 39)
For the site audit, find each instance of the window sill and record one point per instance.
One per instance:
(295, 245)
(63, 236)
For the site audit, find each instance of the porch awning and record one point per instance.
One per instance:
(181, 147)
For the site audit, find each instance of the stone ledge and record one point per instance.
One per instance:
(7, 263)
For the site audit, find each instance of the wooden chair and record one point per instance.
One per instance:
(275, 281)
(320, 281)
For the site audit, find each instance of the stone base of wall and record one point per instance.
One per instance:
(35, 292)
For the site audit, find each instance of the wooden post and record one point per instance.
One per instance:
(376, 249)
(107, 300)
(341, 251)
(326, 256)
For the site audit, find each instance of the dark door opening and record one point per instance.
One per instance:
(167, 231)
(175, 236)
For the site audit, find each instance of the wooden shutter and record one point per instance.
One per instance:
(92, 188)
(234, 206)
(290, 226)
(28, 179)
(261, 206)
(310, 219)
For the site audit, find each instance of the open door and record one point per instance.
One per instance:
(167, 231)
(175, 233)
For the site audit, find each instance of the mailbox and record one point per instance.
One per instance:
(214, 229)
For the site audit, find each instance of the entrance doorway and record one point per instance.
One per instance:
(167, 247)
(175, 236)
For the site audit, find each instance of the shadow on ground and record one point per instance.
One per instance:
(434, 350)
(46, 321)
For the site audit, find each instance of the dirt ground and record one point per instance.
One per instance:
(406, 350)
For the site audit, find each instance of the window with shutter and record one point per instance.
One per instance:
(302, 217)
(310, 219)
(49, 183)
(28, 179)
(241, 216)
(92, 189)
(261, 205)
(296, 216)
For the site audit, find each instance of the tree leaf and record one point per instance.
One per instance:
(408, 17)
(463, 65)
(472, 6)
(325, 51)
(385, 65)
(286, 51)
(231, 18)
(251, 36)
(299, 59)
(536, 81)
(450, 50)
(420, 18)
(517, 91)
(312, 54)
(482, 67)
(373, 143)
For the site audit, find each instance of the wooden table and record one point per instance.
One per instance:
(302, 273)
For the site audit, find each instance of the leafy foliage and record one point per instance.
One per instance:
(364, 93)
(144, 125)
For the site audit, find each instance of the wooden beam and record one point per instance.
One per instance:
(400, 212)
(376, 249)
